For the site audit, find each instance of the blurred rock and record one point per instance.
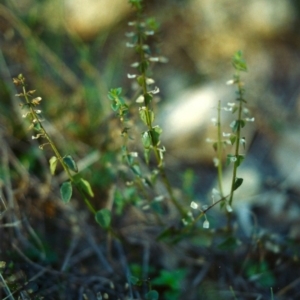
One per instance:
(287, 157)
(222, 27)
(87, 17)
(188, 122)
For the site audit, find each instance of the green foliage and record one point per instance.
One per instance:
(70, 163)
(146, 186)
(229, 244)
(261, 273)
(172, 280)
(152, 295)
(238, 62)
(53, 163)
(66, 191)
(103, 218)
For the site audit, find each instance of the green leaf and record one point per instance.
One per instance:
(114, 106)
(238, 62)
(146, 139)
(146, 116)
(136, 169)
(155, 133)
(85, 186)
(118, 91)
(147, 155)
(66, 191)
(140, 80)
(238, 182)
(240, 159)
(103, 218)
(148, 98)
(237, 125)
(70, 162)
(143, 66)
(53, 163)
(152, 295)
(135, 280)
(230, 243)
(232, 139)
(37, 126)
(215, 146)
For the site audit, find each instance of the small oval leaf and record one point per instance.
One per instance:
(146, 139)
(66, 191)
(53, 163)
(85, 186)
(238, 183)
(152, 295)
(103, 218)
(70, 162)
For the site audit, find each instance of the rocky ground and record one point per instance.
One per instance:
(72, 55)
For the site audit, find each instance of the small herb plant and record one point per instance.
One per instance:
(139, 40)
(33, 114)
(235, 139)
(141, 105)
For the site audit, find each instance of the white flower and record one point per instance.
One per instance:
(206, 224)
(216, 161)
(250, 119)
(226, 134)
(140, 99)
(155, 91)
(230, 82)
(134, 154)
(129, 45)
(153, 59)
(242, 141)
(194, 205)
(163, 59)
(26, 114)
(37, 136)
(184, 222)
(149, 32)
(130, 76)
(233, 158)
(228, 207)
(135, 64)
(159, 198)
(149, 81)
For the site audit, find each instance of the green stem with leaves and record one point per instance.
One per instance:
(36, 123)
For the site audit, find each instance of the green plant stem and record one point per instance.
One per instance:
(150, 128)
(238, 136)
(219, 151)
(55, 150)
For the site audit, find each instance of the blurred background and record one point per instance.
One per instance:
(73, 51)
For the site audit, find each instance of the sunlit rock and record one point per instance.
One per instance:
(86, 18)
(189, 122)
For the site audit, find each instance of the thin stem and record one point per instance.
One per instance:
(43, 131)
(219, 151)
(148, 112)
(238, 136)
